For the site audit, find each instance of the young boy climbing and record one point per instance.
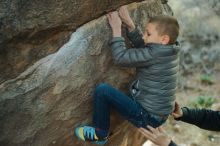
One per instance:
(152, 94)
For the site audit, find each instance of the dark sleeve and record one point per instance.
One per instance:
(172, 143)
(136, 37)
(203, 118)
(132, 57)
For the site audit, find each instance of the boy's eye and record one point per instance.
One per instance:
(148, 34)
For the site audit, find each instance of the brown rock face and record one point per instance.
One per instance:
(42, 105)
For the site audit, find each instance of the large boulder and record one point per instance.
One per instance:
(30, 30)
(42, 105)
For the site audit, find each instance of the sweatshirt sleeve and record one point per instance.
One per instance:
(136, 37)
(203, 118)
(133, 57)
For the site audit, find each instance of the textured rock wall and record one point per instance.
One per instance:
(41, 105)
(30, 30)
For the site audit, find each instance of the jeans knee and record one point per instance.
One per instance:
(102, 88)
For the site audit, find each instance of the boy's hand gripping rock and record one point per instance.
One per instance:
(126, 19)
(115, 23)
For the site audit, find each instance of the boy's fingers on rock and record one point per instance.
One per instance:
(123, 7)
(115, 13)
(108, 16)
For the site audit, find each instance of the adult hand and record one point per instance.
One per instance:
(125, 17)
(115, 23)
(177, 113)
(156, 135)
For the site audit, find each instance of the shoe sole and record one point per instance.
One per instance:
(93, 142)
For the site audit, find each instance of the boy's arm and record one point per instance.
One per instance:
(129, 57)
(122, 56)
(203, 118)
(134, 34)
(136, 37)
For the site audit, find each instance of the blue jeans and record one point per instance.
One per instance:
(106, 96)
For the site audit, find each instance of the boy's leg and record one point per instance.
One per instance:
(105, 97)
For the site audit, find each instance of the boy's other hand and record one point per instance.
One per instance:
(157, 135)
(177, 113)
(125, 17)
(115, 23)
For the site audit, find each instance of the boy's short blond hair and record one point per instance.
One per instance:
(166, 25)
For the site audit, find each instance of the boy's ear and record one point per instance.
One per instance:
(165, 39)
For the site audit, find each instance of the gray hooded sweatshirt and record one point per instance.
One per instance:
(156, 68)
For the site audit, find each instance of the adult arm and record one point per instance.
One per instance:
(203, 118)
(157, 135)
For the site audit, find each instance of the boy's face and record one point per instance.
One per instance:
(151, 35)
